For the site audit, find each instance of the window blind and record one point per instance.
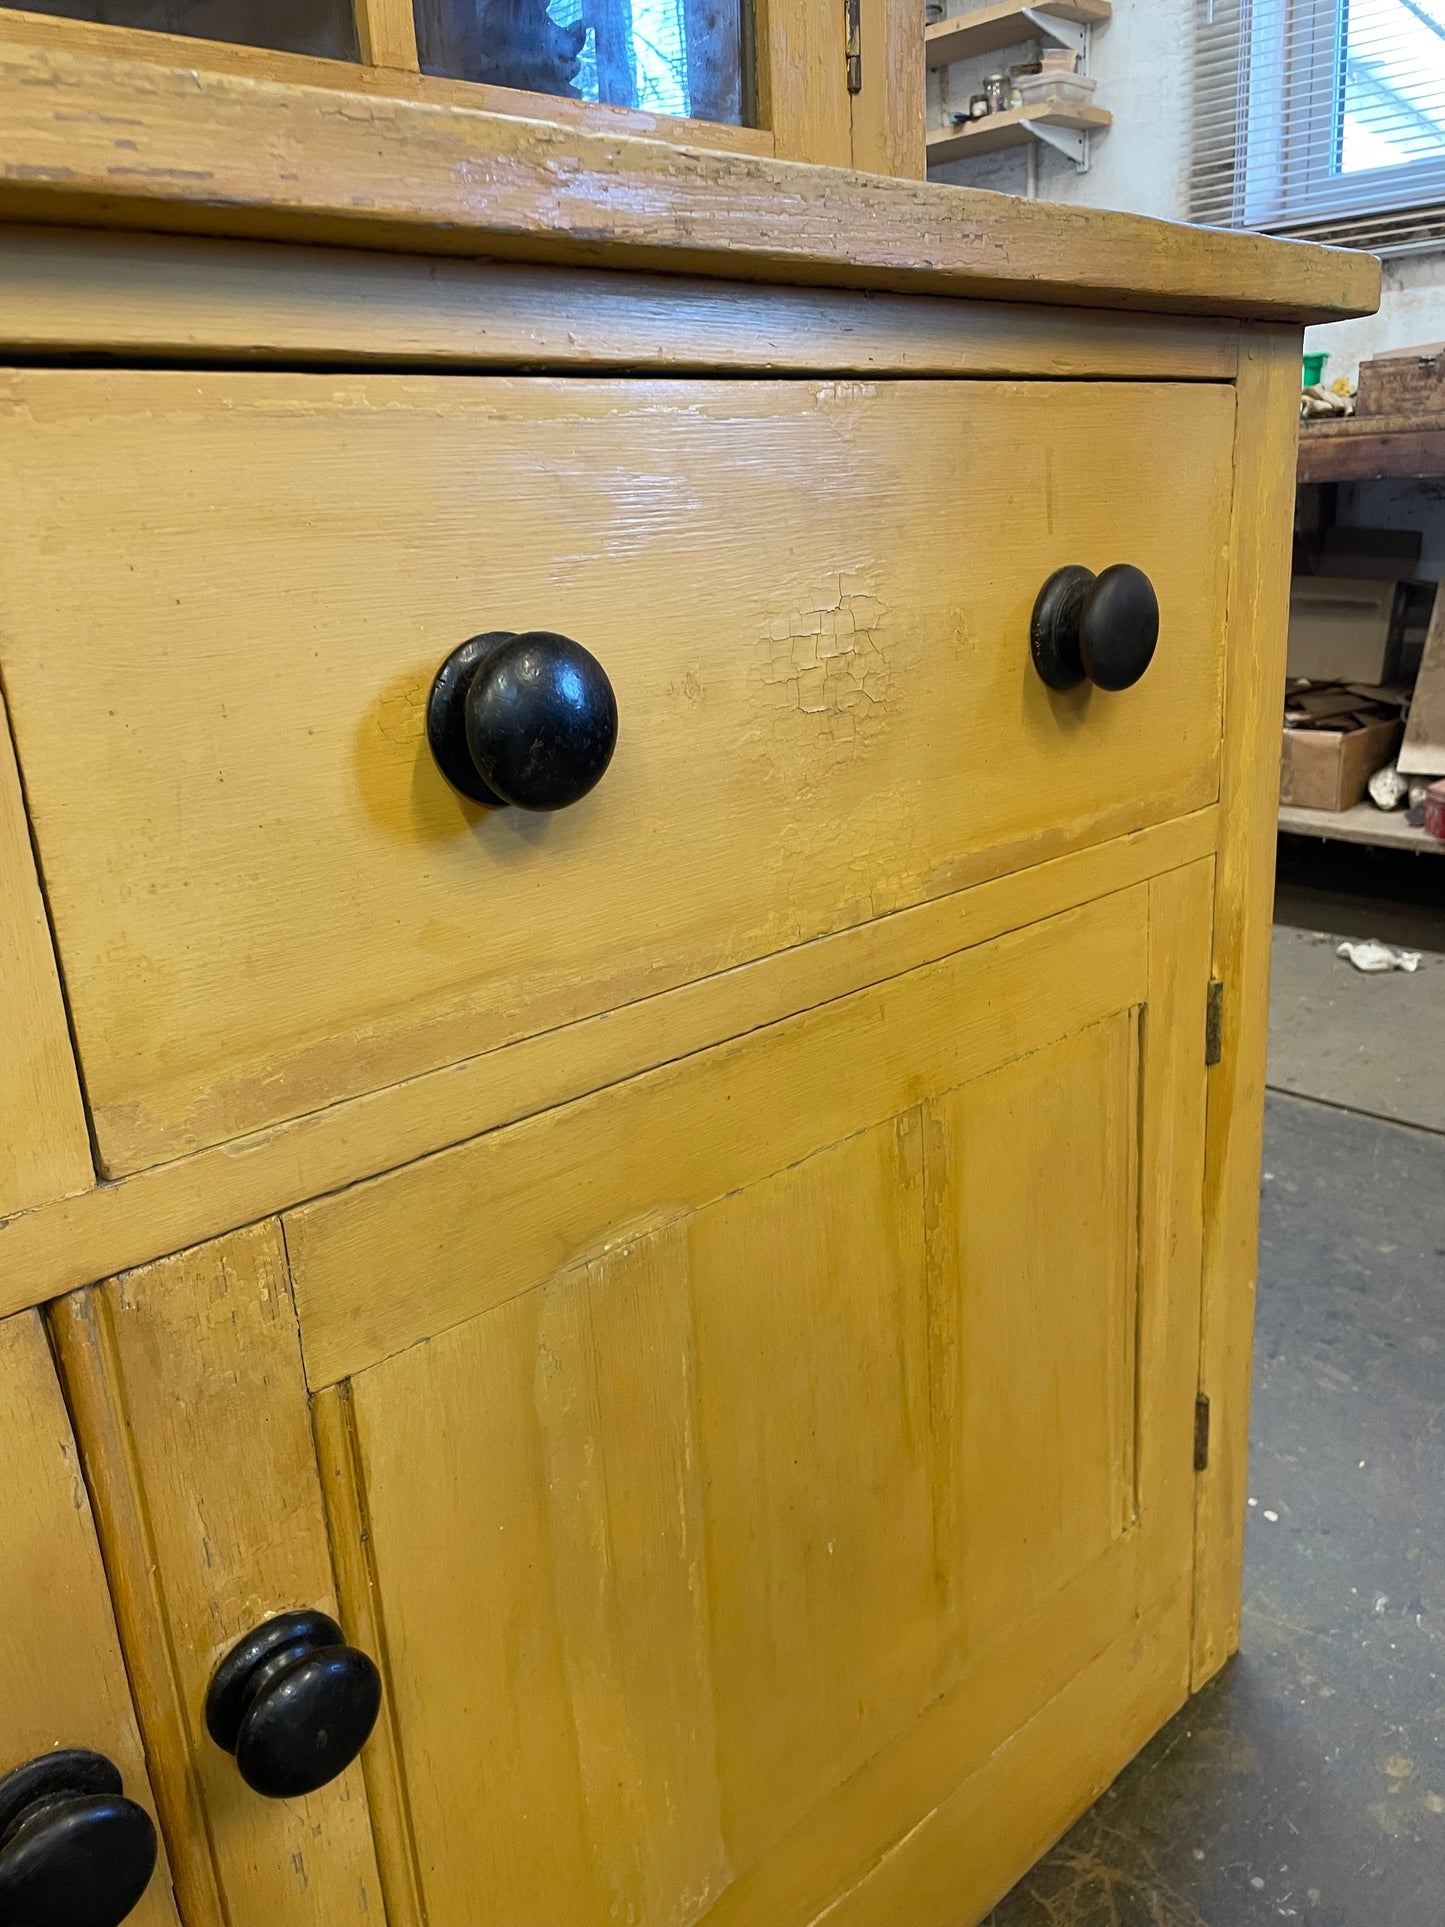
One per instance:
(1322, 118)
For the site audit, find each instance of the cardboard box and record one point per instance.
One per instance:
(1342, 628)
(1326, 765)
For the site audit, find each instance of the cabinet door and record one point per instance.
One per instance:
(765, 1485)
(62, 1679)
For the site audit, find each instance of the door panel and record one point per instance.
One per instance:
(62, 1677)
(1045, 1425)
(184, 1377)
(757, 1461)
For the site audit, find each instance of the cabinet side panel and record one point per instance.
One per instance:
(1264, 467)
(44, 1146)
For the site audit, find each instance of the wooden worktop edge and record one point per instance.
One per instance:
(93, 141)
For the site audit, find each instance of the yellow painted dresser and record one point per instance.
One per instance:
(713, 1288)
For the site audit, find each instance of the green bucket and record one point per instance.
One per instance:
(1314, 369)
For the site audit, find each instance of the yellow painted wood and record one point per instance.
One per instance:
(802, 79)
(386, 30)
(1258, 616)
(1028, 1792)
(163, 297)
(434, 1259)
(349, 1529)
(184, 1377)
(118, 143)
(1041, 1426)
(44, 1145)
(785, 1453)
(392, 76)
(62, 1677)
(821, 665)
(888, 114)
(111, 1227)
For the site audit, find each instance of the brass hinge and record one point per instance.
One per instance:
(1201, 1432)
(1214, 1022)
(853, 16)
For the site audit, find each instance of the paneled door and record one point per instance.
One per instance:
(765, 1484)
(77, 1829)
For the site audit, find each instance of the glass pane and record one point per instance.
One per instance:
(1393, 83)
(324, 27)
(667, 56)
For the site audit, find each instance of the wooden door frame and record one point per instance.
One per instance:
(804, 108)
(1266, 432)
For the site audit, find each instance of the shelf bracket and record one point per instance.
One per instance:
(1071, 142)
(1068, 33)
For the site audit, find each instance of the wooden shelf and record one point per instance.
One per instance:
(983, 30)
(1013, 129)
(1386, 829)
(1372, 448)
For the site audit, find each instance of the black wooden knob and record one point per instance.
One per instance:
(74, 1852)
(294, 1703)
(1101, 626)
(525, 719)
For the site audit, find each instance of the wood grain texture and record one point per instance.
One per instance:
(1000, 23)
(115, 1226)
(348, 1521)
(221, 1523)
(890, 111)
(774, 1480)
(1244, 876)
(61, 1672)
(436, 1258)
(99, 142)
(84, 1343)
(1030, 1791)
(44, 1143)
(802, 91)
(188, 53)
(1370, 449)
(809, 682)
(1171, 1182)
(386, 30)
(1041, 1426)
(166, 298)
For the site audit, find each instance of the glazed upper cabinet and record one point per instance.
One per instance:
(77, 1831)
(720, 1468)
(812, 600)
(763, 76)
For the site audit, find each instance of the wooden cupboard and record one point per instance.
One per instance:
(726, 1304)
(719, 1465)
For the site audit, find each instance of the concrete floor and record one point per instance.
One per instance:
(1307, 1782)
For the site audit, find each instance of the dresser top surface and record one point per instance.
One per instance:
(95, 141)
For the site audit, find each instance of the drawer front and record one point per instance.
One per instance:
(223, 598)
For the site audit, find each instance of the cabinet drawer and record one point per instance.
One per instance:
(223, 598)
